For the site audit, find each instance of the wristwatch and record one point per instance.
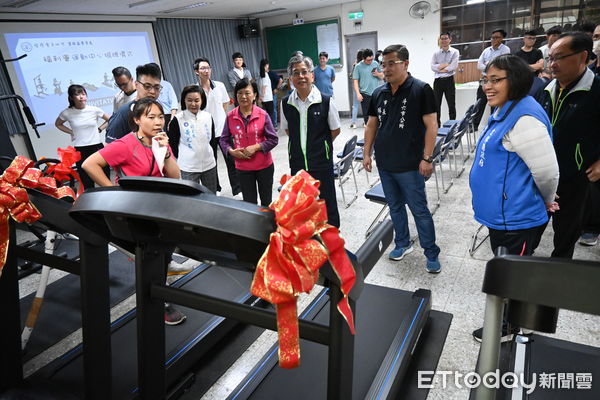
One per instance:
(428, 159)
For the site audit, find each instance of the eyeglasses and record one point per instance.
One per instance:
(493, 81)
(551, 59)
(391, 64)
(304, 72)
(150, 87)
(204, 69)
(497, 37)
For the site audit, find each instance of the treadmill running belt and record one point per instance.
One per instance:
(375, 329)
(558, 358)
(66, 372)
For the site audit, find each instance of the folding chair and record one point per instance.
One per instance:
(345, 164)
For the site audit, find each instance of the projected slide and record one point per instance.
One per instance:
(56, 60)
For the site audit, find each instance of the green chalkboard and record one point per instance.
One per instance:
(282, 41)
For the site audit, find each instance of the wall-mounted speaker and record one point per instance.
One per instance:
(248, 31)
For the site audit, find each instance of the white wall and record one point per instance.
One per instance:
(393, 25)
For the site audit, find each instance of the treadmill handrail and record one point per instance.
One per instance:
(552, 282)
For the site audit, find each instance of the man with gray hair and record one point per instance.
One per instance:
(311, 121)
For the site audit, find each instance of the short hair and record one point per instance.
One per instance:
(400, 50)
(530, 33)
(120, 71)
(143, 107)
(150, 69)
(323, 54)
(197, 62)
(359, 55)
(500, 31)
(555, 30)
(367, 53)
(518, 73)
(588, 27)
(193, 89)
(74, 90)
(579, 42)
(300, 58)
(447, 34)
(244, 83)
(237, 54)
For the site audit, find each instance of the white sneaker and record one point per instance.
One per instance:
(178, 269)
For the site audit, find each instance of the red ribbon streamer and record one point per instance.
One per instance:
(292, 260)
(63, 171)
(14, 200)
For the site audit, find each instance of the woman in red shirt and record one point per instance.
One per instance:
(132, 154)
(248, 136)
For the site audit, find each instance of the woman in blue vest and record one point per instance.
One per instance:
(515, 173)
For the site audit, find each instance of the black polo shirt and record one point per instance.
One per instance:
(401, 132)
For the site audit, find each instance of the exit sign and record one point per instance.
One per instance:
(356, 15)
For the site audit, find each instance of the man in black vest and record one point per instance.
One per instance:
(572, 101)
(312, 122)
(403, 125)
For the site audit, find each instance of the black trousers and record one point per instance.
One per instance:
(568, 221)
(521, 242)
(263, 178)
(234, 180)
(441, 87)
(87, 151)
(591, 210)
(268, 107)
(365, 106)
(327, 189)
(477, 118)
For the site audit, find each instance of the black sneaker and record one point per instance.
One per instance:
(173, 316)
(507, 335)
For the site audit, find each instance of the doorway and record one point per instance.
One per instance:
(355, 42)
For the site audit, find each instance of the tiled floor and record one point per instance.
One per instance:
(457, 289)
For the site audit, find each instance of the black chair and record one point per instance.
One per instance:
(343, 166)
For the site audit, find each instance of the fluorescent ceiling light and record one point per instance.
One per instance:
(141, 3)
(202, 4)
(469, 2)
(268, 11)
(17, 3)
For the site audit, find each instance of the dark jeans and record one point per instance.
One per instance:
(87, 151)
(441, 87)
(234, 181)
(263, 178)
(268, 107)
(568, 221)
(591, 210)
(477, 118)
(327, 193)
(408, 188)
(521, 242)
(365, 106)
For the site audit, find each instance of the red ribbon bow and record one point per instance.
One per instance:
(292, 260)
(14, 200)
(63, 171)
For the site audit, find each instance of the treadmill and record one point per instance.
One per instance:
(88, 371)
(338, 365)
(535, 288)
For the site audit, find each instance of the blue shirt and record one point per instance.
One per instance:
(367, 83)
(324, 79)
(167, 97)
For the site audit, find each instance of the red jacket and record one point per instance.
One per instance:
(244, 136)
